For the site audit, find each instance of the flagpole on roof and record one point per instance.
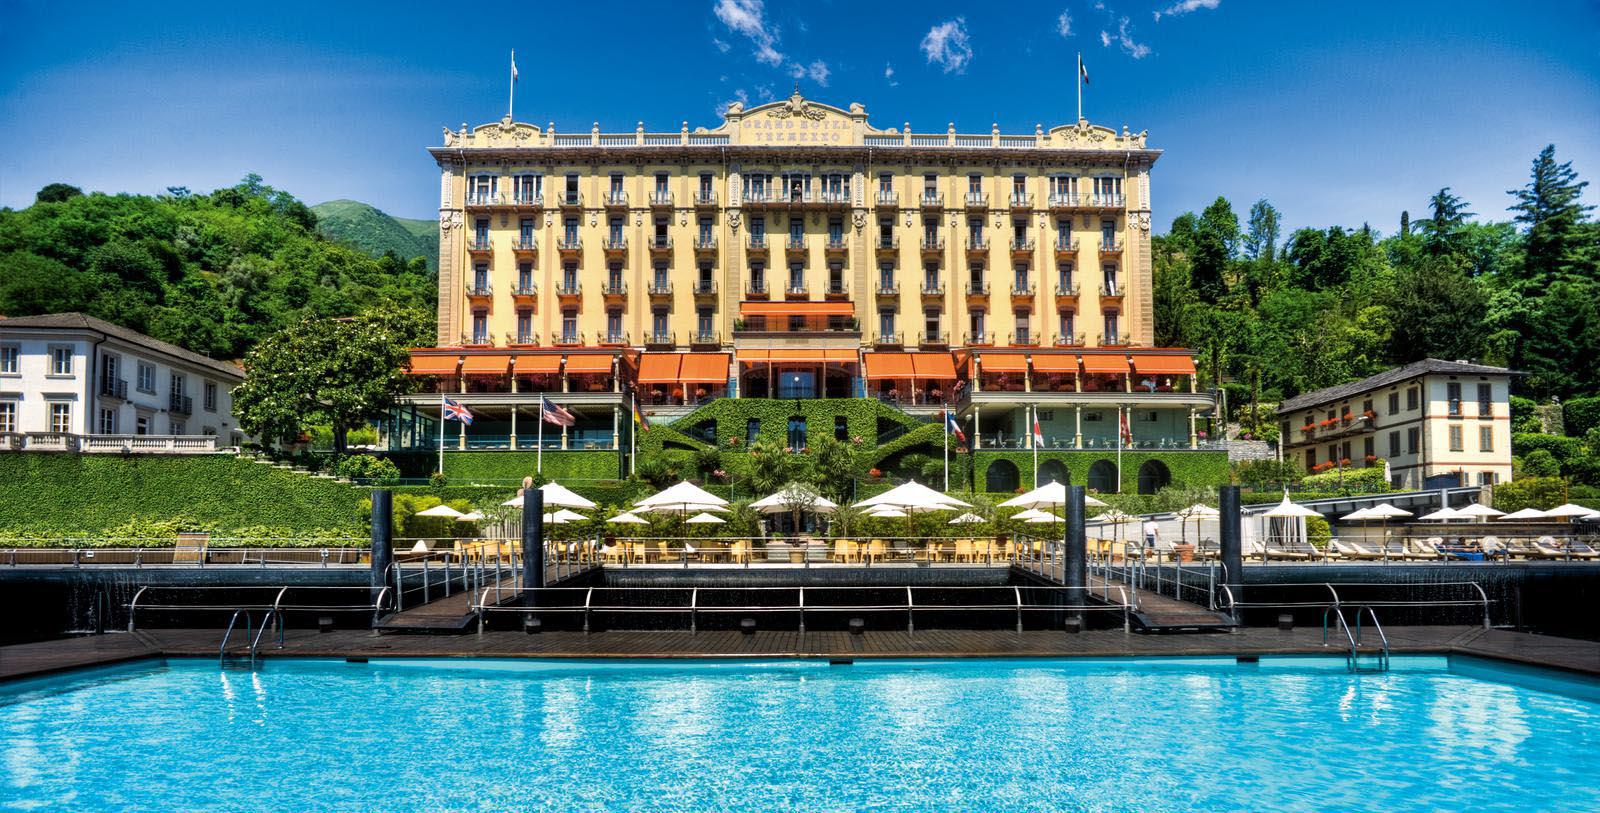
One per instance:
(1078, 79)
(511, 98)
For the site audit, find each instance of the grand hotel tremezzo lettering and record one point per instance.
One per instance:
(793, 130)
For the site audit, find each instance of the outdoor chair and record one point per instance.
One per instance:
(1549, 548)
(1581, 550)
(844, 550)
(963, 550)
(876, 550)
(1355, 550)
(1424, 548)
(664, 552)
(1524, 549)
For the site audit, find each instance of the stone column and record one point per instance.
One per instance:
(616, 420)
(1077, 427)
(977, 428)
(1231, 541)
(1193, 438)
(513, 427)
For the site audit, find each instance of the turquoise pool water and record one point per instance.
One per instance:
(1202, 734)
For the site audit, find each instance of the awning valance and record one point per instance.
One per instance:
(1054, 363)
(589, 364)
(796, 309)
(486, 365)
(1163, 364)
(536, 363)
(933, 366)
(434, 365)
(1003, 362)
(1105, 363)
(659, 368)
(789, 356)
(704, 368)
(888, 365)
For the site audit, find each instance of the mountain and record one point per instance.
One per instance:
(374, 232)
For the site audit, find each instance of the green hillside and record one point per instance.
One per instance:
(365, 227)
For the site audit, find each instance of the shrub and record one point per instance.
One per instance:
(1264, 473)
(368, 469)
(1562, 448)
(1368, 480)
(1580, 415)
(1540, 463)
(1524, 415)
(1530, 492)
(1318, 531)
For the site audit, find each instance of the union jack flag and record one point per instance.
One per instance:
(954, 428)
(457, 412)
(551, 413)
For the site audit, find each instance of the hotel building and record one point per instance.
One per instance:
(796, 251)
(1434, 423)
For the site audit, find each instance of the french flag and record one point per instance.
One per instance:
(952, 427)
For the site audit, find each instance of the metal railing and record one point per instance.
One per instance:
(1227, 602)
(1353, 639)
(274, 599)
(137, 553)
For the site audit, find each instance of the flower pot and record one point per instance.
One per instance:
(1184, 553)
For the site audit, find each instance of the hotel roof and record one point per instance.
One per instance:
(1340, 392)
(82, 322)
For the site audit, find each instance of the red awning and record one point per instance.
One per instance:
(1055, 363)
(536, 363)
(888, 365)
(589, 364)
(486, 365)
(933, 366)
(1105, 363)
(792, 356)
(704, 368)
(1163, 364)
(659, 368)
(796, 309)
(1003, 362)
(434, 365)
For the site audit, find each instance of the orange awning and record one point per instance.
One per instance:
(486, 365)
(1003, 362)
(796, 309)
(934, 366)
(536, 363)
(589, 364)
(705, 368)
(1163, 364)
(1117, 364)
(1054, 363)
(434, 365)
(818, 356)
(888, 365)
(659, 368)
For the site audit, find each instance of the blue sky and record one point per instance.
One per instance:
(1337, 113)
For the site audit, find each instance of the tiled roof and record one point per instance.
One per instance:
(1414, 369)
(81, 322)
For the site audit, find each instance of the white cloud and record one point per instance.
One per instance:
(1124, 39)
(818, 71)
(888, 75)
(1105, 39)
(1186, 6)
(1064, 24)
(947, 45)
(748, 17)
(721, 46)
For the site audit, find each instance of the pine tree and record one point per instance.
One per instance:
(1549, 207)
(1440, 233)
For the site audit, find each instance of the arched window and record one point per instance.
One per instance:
(1103, 477)
(1154, 476)
(1001, 476)
(1054, 470)
(797, 433)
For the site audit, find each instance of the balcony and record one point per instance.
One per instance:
(887, 340)
(660, 246)
(531, 200)
(522, 340)
(932, 246)
(931, 200)
(614, 292)
(477, 340)
(570, 200)
(525, 294)
(504, 201)
(615, 246)
(480, 247)
(180, 404)
(887, 200)
(569, 293)
(705, 338)
(1070, 340)
(1021, 293)
(757, 198)
(1021, 248)
(976, 201)
(1105, 200)
(570, 246)
(932, 292)
(660, 200)
(1110, 292)
(977, 246)
(1063, 202)
(797, 291)
(836, 290)
(1066, 248)
(661, 291)
(480, 292)
(836, 246)
(934, 339)
(981, 339)
(566, 339)
(114, 388)
(1024, 338)
(1021, 201)
(886, 246)
(526, 248)
(756, 289)
(757, 244)
(831, 200)
(977, 293)
(619, 339)
(659, 340)
(888, 289)
(705, 199)
(1115, 340)
(705, 245)
(795, 247)
(705, 289)
(1067, 296)
(1110, 248)
(615, 200)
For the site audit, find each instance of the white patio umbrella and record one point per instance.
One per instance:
(966, 519)
(1289, 510)
(441, 510)
(1114, 517)
(628, 518)
(684, 496)
(888, 513)
(705, 519)
(1196, 512)
(1031, 514)
(1478, 511)
(792, 495)
(1442, 515)
(556, 495)
(1525, 515)
(1383, 512)
(470, 516)
(563, 516)
(1569, 511)
(914, 497)
(1042, 518)
(1049, 495)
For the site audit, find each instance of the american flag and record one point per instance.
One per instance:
(953, 427)
(457, 412)
(551, 413)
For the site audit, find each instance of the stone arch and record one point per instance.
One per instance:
(1054, 470)
(1103, 477)
(1154, 476)
(1002, 476)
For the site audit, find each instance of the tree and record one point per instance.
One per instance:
(339, 372)
(1438, 312)
(1215, 244)
(1549, 207)
(1439, 232)
(56, 193)
(1261, 241)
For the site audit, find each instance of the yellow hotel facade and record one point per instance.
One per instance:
(798, 251)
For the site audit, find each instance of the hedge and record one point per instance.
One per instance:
(733, 414)
(70, 495)
(1195, 468)
(1579, 415)
(1562, 448)
(508, 468)
(1352, 480)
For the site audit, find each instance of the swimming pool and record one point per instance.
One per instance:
(1167, 734)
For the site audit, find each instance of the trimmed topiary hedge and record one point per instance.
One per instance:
(508, 468)
(1579, 415)
(1195, 468)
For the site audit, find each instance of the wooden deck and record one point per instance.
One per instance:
(41, 658)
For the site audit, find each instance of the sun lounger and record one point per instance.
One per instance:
(1423, 548)
(1354, 550)
(1524, 549)
(1581, 550)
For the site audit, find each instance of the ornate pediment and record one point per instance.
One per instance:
(1084, 135)
(796, 121)
(503, 133)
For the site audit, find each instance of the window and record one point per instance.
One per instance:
(614, 231)
(481, 187)
(8, 359)
(930, 186)
(1066, 320)
(480, 232)
(1452, 396)
(930, 277)
(660, 282)
(613, 325)
(60, 417)
(797, 232)
(885, 185)
(1311, 458)
(705, 231)
(930, 323)
(1366, 406)
(569, 326)
(703, 322)
(178, 385)
(524, 326)
(525, 278)
(616, 185)
(752, 430)
(974, 187)
(1019, 187)
(1457, 443)
(758, 278)
(480, 277)
(658, 322)
(886, 277)
(1394, 444)
(661, 185)
(209, 399)
(1024, 327)
(1064, 278)
(8, 416)
(705, 186)
(527, 188)
(61, 361)
(614, 278)
(797, 278)
(1485, 401)
(525, 232)
(480, 327)
(835, 278)
(835, 232)
(569, 277)
(1411, 399)
(179, 428)
(108, 421)
(1368, 447)
(975, 272)
(109, 367)
(1062, 187)
(797, 433)
(1412, 436)
(1485, 438)
(141, 425)
(1108, 233)
(1110, 318)
(1108, 190)
(1063, 234)
(885, 324)
(1488, 478)
(975, 231)
(841, 428)
(758, 230)
(1394, 403)
(1110, 272)
(1020, 277)
(977, 326)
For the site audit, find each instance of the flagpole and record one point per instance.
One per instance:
(1120, 429)
(538, 466)
(946, 423)
(633, 435)
(442, 399)
(1037, 437)
(1078, 78)
(511, 98)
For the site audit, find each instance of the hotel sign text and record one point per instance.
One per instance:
(795, 130)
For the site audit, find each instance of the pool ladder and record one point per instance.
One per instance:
(252, 634)
(1353, 638)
